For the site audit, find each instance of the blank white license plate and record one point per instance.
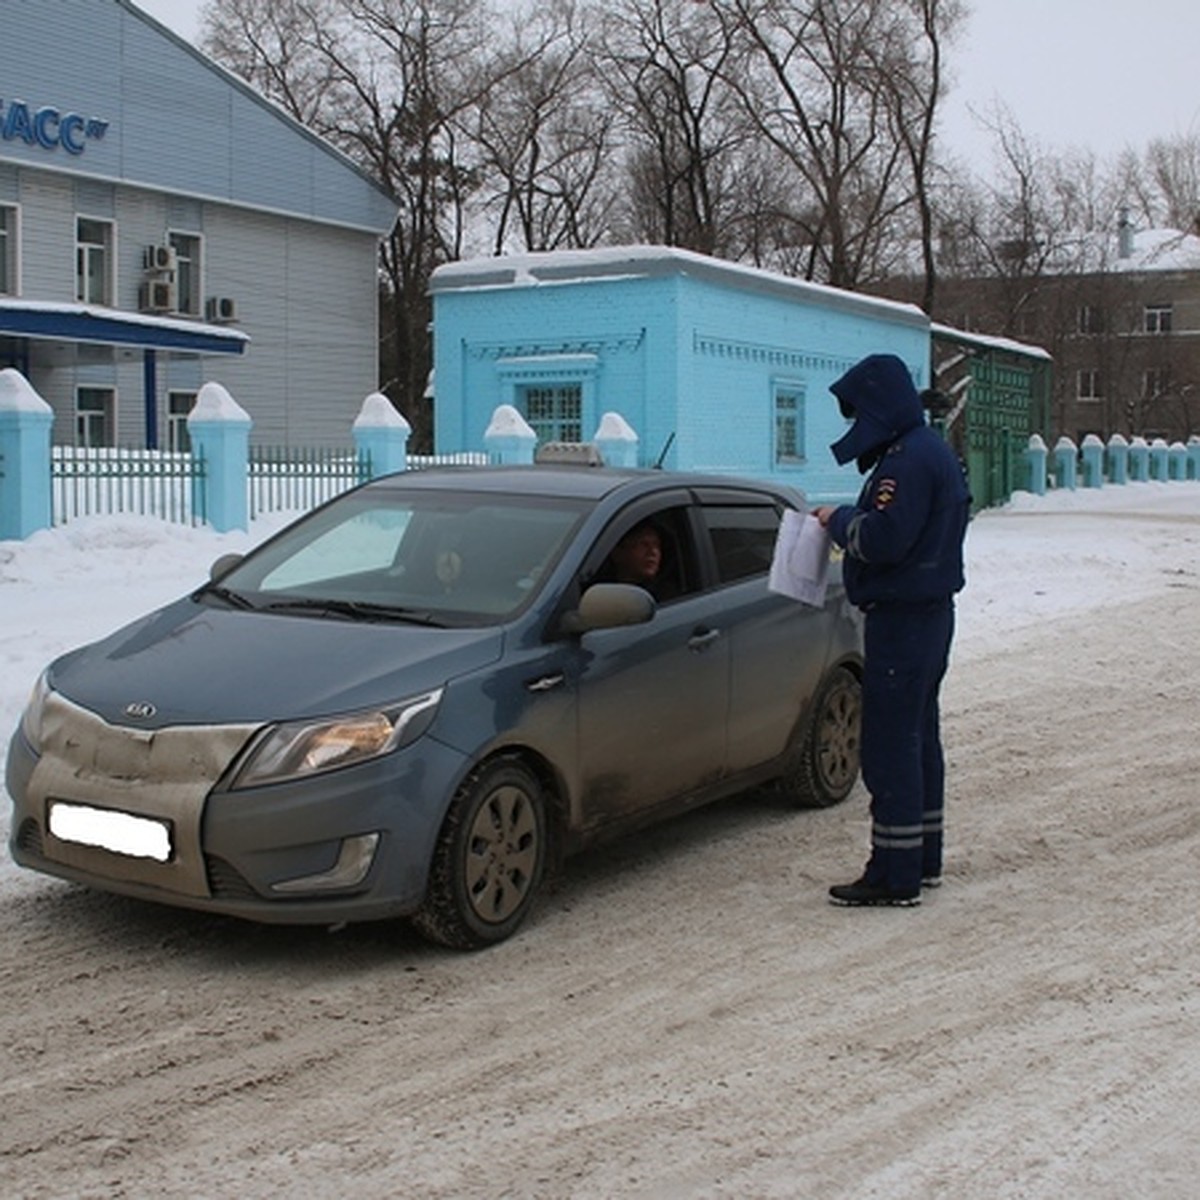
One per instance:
(122, 833)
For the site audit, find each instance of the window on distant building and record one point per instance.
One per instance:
(554, 412)
(789, 425)
(1158, 318)
(1088, 385)
(187, 272)
(8, 250)
(95, 410)
(1090, 319)
(93, 261)
(179, 404)
(1156, 382)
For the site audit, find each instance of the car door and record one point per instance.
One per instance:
(653, 698)
(778, 647)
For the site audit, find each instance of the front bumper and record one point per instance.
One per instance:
(348, 845)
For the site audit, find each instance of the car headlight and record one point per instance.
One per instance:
(294, 749)
(31, 718)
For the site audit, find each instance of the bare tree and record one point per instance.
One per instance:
(388, 82)
(666, 63)
(1162, 185)
(846, 92)
(270, 44)
(545, 138)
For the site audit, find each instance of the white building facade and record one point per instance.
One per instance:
(162, 225)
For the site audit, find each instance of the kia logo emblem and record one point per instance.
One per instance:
(142, 710)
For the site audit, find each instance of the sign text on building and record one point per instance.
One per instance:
(48, 127)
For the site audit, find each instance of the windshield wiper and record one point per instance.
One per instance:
(228, 595)
(355, 610)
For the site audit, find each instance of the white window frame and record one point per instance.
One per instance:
(179, 440)
(1156, 381)
(108, 258)
(10, 264)
(83, 438)
(1158, 318)
(190, 299)
(1088, 384)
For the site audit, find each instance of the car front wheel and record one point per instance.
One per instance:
(489, 859)
(824, 761)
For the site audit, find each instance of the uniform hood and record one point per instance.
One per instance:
(879, 394)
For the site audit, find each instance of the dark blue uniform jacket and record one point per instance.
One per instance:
(903, 538)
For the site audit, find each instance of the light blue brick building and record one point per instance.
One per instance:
(163, 226)
(715, 366)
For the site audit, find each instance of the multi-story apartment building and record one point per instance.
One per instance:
(1121, 322)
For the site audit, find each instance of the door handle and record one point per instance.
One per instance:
(546, 683)
(701, 639)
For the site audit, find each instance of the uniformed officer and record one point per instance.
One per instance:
(903, 564)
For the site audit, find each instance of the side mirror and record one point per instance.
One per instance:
(608, 606)
(223, 566)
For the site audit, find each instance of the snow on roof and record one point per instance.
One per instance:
(987, 341)
(123, 317)
(1149, 250)
(608, 263)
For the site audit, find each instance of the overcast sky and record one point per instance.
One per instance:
(1091, 73)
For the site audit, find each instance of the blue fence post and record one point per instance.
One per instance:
(1035, 464)
(381, 433)
(1118, 459)
(1159, 466)
(508, 438)
(1193, 452)
(1139, 460)
(616, 441)
(1092, 453)
(1066, 455)
(220, 432)
(1177, 461)
(25, 423)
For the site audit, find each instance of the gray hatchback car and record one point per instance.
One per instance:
(419, 698)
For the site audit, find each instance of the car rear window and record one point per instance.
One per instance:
(743, 538)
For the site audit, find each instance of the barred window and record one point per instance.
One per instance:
(555, 412)
(789, 425)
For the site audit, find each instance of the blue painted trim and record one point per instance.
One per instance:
(116, 330)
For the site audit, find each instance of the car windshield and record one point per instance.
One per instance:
(427, 557)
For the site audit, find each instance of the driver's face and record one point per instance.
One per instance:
(638, 555)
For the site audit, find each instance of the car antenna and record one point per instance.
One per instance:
(663, 453)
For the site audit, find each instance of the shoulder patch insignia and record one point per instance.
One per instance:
(885, 493)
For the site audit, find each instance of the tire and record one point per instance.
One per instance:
(824, 762)
(489, 859)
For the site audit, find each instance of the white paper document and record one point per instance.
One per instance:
(801, 561)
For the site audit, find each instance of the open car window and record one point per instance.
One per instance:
(678, 572)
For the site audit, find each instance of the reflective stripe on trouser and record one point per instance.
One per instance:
(906, 653)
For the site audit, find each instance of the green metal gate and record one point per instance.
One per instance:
(1000, 392)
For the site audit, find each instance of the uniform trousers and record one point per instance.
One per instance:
(907, 647)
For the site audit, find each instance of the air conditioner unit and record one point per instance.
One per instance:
(156, 296)
(159, 258)
(220, 309)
